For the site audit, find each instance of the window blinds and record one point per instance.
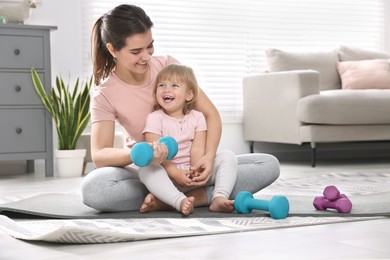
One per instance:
(224, 40)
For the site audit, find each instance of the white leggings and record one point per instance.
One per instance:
(160, 185)
(116, 189)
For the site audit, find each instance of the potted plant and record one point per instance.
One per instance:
(71, 115)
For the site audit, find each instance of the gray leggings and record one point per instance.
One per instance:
(115, 189)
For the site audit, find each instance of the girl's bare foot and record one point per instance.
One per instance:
(151, 203)
(187, 206)
(222, 204)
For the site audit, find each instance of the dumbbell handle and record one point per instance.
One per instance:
(258, 204)
(142, 153)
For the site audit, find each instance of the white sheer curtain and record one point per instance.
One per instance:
(224, 40)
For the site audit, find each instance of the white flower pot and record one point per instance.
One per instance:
(70, 163)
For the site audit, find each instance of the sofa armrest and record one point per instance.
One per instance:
(270, 104)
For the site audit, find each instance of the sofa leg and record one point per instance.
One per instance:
(313, 154)
(251, 146)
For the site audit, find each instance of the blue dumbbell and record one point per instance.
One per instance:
(278, 206)
(142, 153)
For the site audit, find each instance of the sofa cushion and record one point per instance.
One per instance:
(324, 62)
(346, 107)
(352, 53)
(364, 74)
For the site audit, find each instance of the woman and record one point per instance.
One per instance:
(125, 73)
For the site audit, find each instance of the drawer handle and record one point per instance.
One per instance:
(17, 51)
(18, 88)
(18, 130)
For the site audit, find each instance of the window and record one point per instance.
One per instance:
(224, 40)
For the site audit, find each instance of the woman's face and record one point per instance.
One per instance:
(136, 54)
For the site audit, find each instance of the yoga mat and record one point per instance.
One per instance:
(70, 206)
(63, 218)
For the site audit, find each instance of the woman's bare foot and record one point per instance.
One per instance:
(151, 203)
(222, 204)
(187, 206)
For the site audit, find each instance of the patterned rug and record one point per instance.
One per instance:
(110, 230)
(313, 185)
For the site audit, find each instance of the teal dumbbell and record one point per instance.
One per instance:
(142, 153)
(278, 206)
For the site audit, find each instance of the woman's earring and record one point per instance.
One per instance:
(114, 58)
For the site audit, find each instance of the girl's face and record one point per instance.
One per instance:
(133, 58)
(172, 95)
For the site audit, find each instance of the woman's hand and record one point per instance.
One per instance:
(160, 153)
(202, 170)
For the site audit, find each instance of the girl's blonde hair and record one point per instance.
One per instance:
(179, 73)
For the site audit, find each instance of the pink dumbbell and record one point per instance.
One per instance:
(334, 200)
(342, 205)
(332, 193)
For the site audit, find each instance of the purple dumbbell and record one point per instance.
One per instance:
(334, 200)
(342, 205)
(332, 193)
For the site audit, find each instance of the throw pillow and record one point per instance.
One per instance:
(324, 62)
(365, 74)
(352, 53)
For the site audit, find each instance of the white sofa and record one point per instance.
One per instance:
(340, 95)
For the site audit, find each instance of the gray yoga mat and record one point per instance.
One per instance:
(70, 206)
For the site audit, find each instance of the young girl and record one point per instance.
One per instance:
(175, 91)
(125, 71)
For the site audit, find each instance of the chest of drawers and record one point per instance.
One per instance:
(25, 125)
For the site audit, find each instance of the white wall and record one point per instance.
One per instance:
(387, 26)
(66, 49)
(66, 54)
(66, 41)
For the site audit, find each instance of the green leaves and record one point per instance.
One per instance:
(70, 110)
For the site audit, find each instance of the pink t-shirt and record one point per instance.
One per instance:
(127, 104)
(183, 130)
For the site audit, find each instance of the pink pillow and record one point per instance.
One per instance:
(364, 74)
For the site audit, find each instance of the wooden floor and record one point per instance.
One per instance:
(353, 240)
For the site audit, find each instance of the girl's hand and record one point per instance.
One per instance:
(202, 170)
(160, 153)
(183, 178)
